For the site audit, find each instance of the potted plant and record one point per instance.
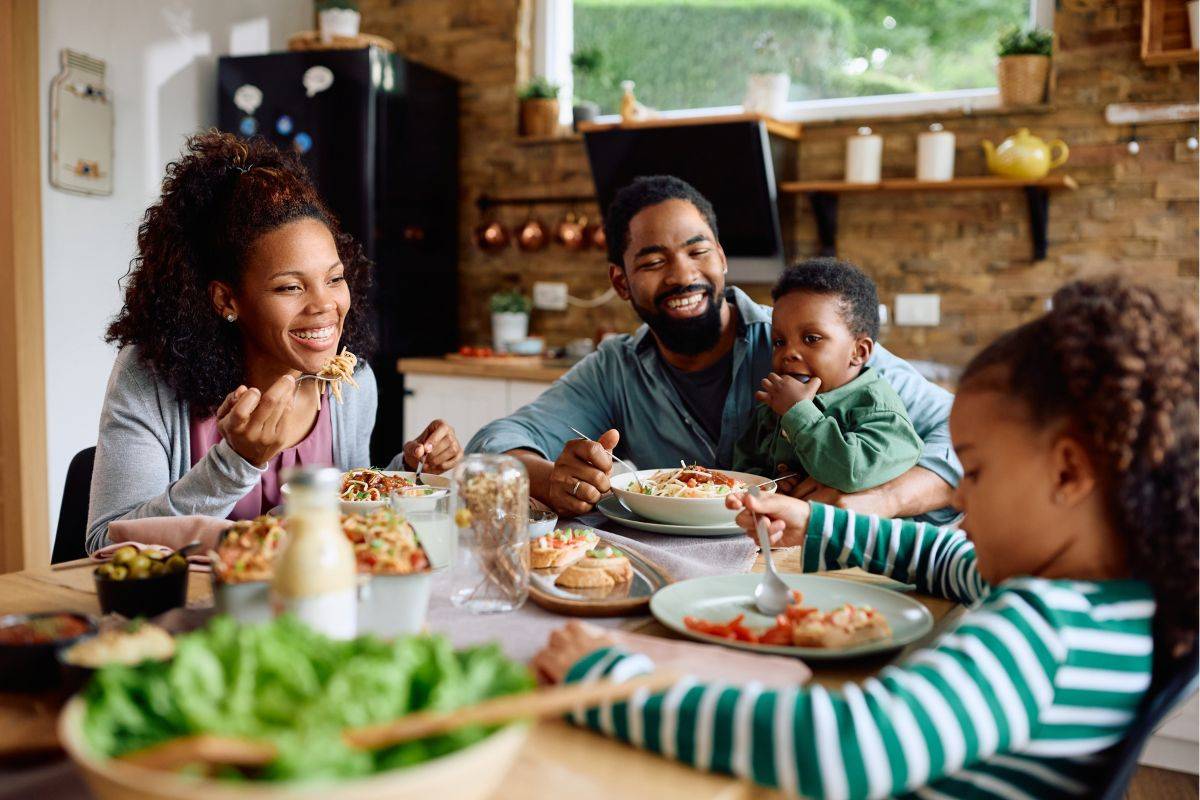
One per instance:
(588, 62)
(1024, 65)
(510, 318)
(768, 85)
(539, 108)
(337, 18)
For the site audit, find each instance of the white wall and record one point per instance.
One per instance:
(161, 60)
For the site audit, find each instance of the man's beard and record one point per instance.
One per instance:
(687, 337)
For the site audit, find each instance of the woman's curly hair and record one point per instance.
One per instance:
(217, 200)
(1121, 365)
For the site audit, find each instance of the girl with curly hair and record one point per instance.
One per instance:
(1078, 438)
(242, 281)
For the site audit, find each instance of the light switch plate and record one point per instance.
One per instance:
(918, 309)
(549, 296)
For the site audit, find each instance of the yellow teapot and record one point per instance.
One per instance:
(1024, 156)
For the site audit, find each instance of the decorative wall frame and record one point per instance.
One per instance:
(81, 126)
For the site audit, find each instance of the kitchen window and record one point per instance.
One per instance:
(846, 58)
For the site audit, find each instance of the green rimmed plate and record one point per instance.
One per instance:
(722, 597)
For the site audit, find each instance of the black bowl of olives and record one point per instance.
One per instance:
(142, 583)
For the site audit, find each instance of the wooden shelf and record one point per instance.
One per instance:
(823, 195)
(786, 130)
(1166, 34)
(563, 138)
(974, 183)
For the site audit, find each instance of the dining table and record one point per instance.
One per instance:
(558, 760)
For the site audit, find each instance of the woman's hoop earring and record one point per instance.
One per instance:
(231, 317)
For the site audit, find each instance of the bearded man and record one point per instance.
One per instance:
(682, 386)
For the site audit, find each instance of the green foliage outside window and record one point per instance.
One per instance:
(698, 53)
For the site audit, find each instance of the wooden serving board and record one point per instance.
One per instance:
(625, 599)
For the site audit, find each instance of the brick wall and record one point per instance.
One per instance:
(1136, 215)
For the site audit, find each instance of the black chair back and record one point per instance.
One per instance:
(1173, 683)
(73, 513)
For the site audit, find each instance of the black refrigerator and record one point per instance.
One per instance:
(379, 135)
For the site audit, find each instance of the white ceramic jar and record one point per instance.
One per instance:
(935, 154)
(864, 157)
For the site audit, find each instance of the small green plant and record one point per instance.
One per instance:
(510, 302)
(330, 5)
(769, 54)
(1019, 41)
(539, 89)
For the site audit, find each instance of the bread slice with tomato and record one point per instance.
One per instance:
(561, 548)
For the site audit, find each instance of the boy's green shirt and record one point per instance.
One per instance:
(851, 438)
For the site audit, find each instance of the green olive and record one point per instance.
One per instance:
(124, 555)
(119, 573)
(105, 570)
(139, 564)
(155, 555)
(158, 568)
(177, 563)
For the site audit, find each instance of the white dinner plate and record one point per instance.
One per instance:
(611, 507)
(720, 598)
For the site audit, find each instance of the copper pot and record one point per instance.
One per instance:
(491, 237)
(531, 236)
(593, 236)
(569, 231)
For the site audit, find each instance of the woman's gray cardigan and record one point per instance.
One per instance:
(144, 461)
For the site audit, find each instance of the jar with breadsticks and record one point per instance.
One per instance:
(491, 515)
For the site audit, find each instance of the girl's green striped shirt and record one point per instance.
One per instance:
(1019, 699)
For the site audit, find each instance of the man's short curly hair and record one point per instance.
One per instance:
(1119, 365)
(217, 200)
(643, 192)
(829, 276)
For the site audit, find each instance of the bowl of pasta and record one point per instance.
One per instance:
(366, 490)
(684, 495)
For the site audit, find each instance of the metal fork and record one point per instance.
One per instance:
(636, 479)
(420, 468)
(771, 594)
(314, 376)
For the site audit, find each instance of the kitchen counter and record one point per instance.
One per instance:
(514, 369)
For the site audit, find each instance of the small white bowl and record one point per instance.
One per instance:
(542, 519)
(368, 506)
(699, 511)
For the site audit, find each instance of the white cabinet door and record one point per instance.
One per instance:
(522, 393)
(466, 403)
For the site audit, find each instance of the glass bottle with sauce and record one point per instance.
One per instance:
(315, 575)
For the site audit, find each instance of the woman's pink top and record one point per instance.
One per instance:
(316, 449)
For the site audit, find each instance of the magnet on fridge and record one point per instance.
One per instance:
(317, 79)
(303, 142)
(248, 98)
(283, 125)
(248, 126)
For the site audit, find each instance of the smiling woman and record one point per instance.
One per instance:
(243, 281)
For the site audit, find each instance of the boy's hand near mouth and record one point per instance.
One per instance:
(782, 392)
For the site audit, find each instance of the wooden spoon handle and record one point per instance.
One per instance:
(203, 749)
(548, 702)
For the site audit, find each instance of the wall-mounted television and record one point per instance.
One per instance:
(733, 164)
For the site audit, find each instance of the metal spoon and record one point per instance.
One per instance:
(772, 593)
(636, 479)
